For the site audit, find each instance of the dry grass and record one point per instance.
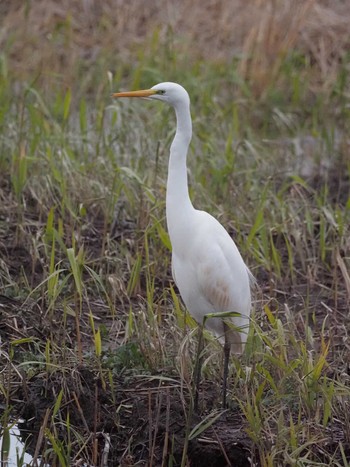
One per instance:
(52, 37)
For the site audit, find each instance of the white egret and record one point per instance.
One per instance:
(206, 264)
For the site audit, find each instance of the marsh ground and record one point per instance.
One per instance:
(96, 349)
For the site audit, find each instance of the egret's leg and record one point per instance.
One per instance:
(227, 349)
(197, 367)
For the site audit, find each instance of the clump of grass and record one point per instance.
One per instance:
(291, 397)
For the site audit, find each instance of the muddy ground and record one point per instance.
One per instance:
(136, 421)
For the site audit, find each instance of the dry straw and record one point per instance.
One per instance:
(52, 36)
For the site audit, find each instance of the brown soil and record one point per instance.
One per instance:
(136, 426)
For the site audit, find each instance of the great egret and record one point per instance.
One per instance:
(206, 264)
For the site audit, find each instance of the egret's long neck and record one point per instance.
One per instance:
(178, 203)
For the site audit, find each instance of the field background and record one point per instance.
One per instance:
(96, 350)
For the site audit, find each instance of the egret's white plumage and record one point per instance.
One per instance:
(207, 266)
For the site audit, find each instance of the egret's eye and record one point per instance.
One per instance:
(161, 91)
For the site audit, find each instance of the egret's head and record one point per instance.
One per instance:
(172, 93)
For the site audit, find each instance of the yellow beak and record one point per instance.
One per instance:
(143, 93)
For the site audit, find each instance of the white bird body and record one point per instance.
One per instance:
(211, 275)
(207, 266)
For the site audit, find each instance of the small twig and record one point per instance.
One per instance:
(222, 449)
(80, 410)
(106, 448)
(41, 437)
(187, 433)
(95, 441)
(156, 422)
(166, 437)
(150, 424)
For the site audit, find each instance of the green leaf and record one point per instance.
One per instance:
(75, 269)
(6, 443)
(66, 104)
(270, 316)
(98, 343)
(259, 220)
(164, 236)
(57, 403)
(204, 424)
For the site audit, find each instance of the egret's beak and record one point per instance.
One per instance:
(143, 93)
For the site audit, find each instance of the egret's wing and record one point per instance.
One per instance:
(216, 288)
(223, 275)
